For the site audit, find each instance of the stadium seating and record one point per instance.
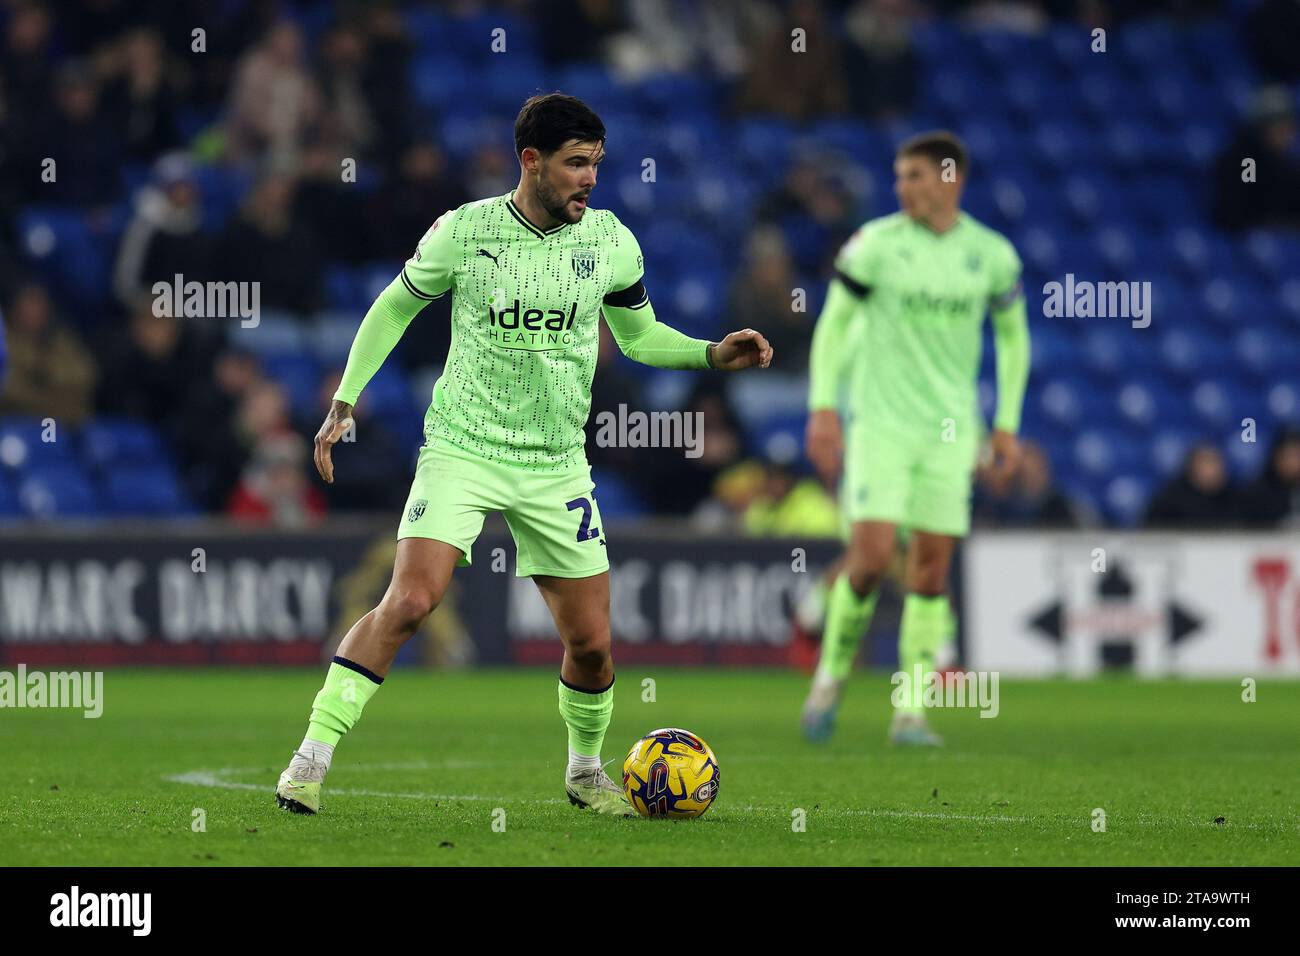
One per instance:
(1092, 167)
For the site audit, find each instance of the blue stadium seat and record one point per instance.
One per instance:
(301, 377)
(22, 443)
(330, 334)
(389, 393)
(10, 506)
(143, 490)
(276, 333)
(1105, 451)
(57, 491)
(344, 288)
(1217, 402)
(1069, 402)
(110, 443)
(1284, 399)
(1126, 497)
(1245, 459)
(222, 189)
(1169, 450)
(617, 500)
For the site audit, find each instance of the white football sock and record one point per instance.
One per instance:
(580, 762)
(315, 750)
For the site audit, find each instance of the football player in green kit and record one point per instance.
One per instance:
(910, 294)
(530, 274)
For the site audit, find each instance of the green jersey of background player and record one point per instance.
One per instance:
(912, 289)
(530, 274)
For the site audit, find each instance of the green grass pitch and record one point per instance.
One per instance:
(422, 777)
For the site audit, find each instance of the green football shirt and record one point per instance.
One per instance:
(526, 305)
(913, 347)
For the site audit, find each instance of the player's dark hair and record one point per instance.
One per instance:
(548, 121)
(937, 145)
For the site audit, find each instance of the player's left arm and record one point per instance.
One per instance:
(1011, 340)
(642, 338)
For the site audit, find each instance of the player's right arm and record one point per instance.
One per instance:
(426, 276)
(830, 356)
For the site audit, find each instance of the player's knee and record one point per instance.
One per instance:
(589, 648)
(406, 609)
(865, 569)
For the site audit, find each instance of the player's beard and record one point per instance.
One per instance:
(556, 206)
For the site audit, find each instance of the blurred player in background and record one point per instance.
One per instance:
(530, 273)
(910, 294)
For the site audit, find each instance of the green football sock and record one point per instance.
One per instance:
(926, 621)
(587, 714)
(339, 703)
(847, 619)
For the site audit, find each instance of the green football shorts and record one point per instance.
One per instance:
(913, 481)
(553, 517)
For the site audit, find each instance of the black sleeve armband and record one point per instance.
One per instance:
(633, 297)
(853, 285)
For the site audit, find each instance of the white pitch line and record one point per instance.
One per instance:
(216, 779)
(211, 778)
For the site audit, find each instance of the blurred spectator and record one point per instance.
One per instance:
(796, 85)
(84, 145)
(1200, 497)
(814, 210)
(27, 70)
(1273, 501)
(274, 101)
(609, 389)
(677, 485)
(572, 31)
(387, 83)
(735, 489)
(680, 36)
(1031, 501)
(275, 490)
(491, 171)
(348, 123)
(788, 505)
(1273, 197)
(334, 211)
(1020, 16)
(405, 206)
(165, 236)
(267, 245)
(880, 61)
(763, 295)
(212, 445)
(139, 99)
(149, 374)
(51, 374)
(4, 355)
(373, 473)
(1272, 29)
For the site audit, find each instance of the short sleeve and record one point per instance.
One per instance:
(627, 265)
(1005, 286)
(428, 273)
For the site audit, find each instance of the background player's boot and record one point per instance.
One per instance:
(818, 719)
(299, 786)
(909, 729)
(595, 790)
